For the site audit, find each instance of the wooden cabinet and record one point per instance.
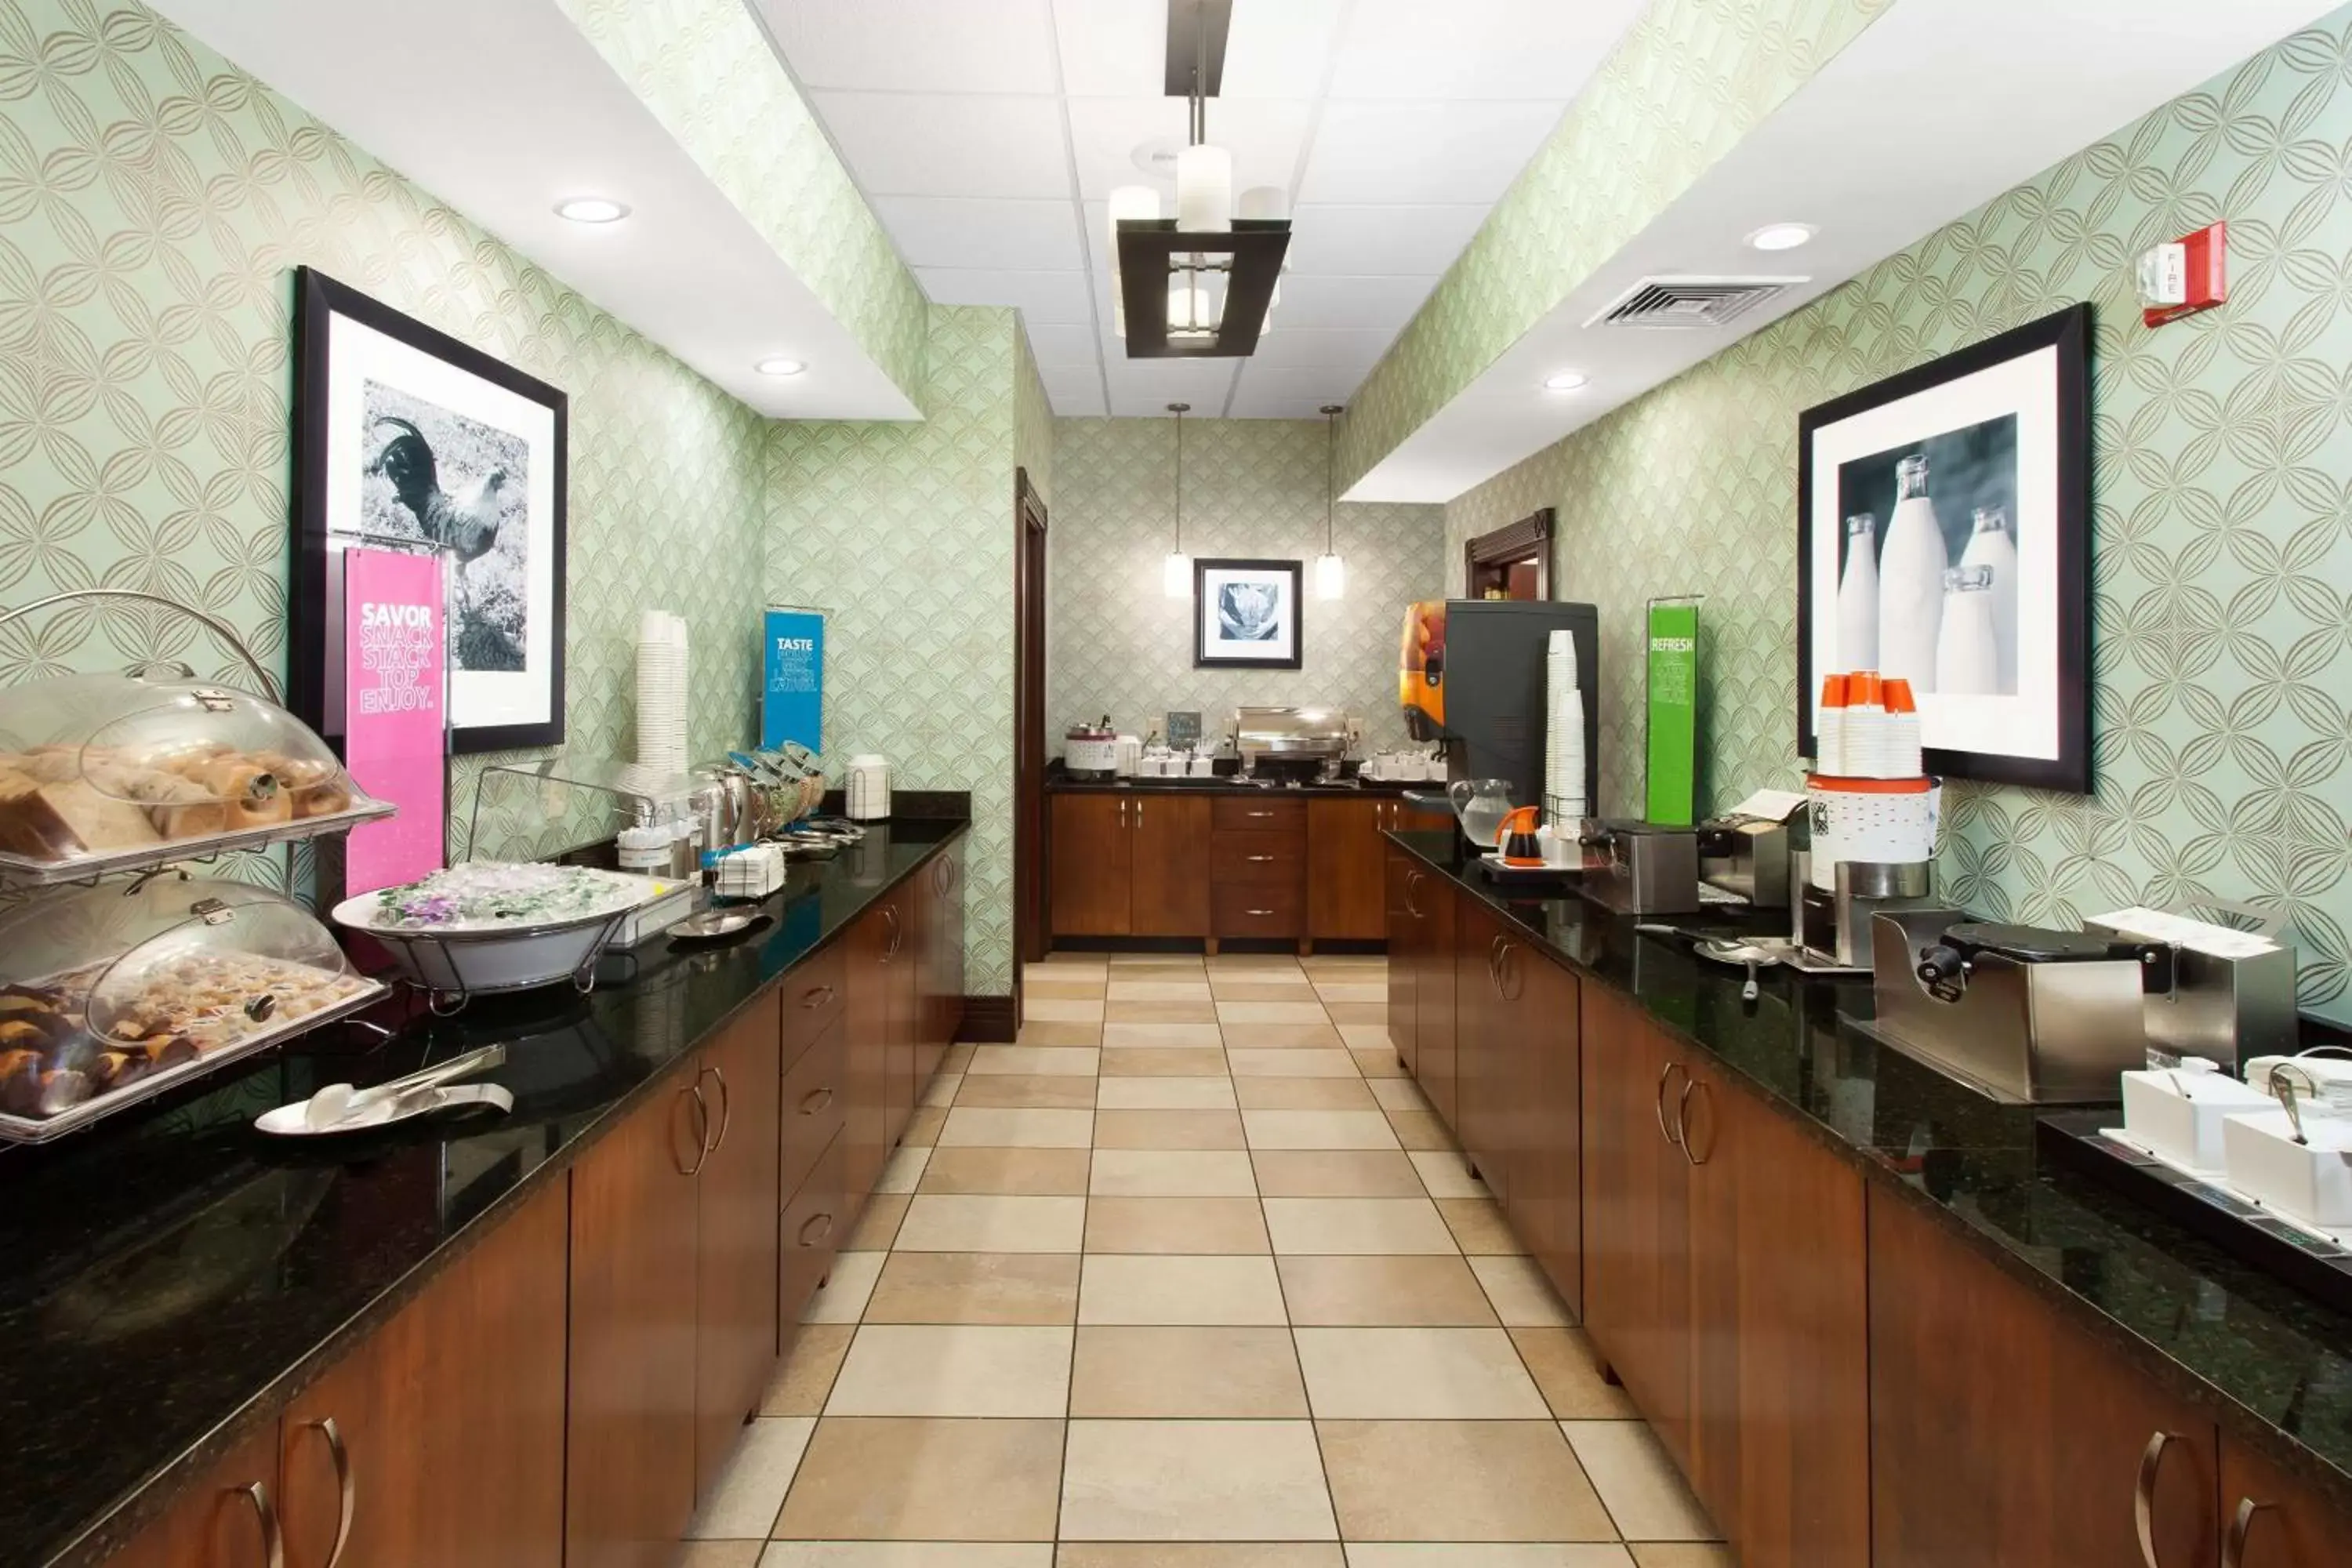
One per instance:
(866, 1130)
(898, 982)
(814, 1224)
(738, 1197)
(1999, 1432)
(226, 1518)
(1404, 875)
(1347, 863)
(1485, 1092)
(1092, 865)
(2271, 1520)
(1433, 901)
(1547, 1149)
(1169, 866)
(940, 987)
(629, 1483)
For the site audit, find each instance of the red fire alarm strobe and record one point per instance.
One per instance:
(2190, 274)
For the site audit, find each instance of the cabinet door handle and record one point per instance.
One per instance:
(1682, 1117)
(2233, 1545)
(826, 1220)
(817, 996)
(1139, 814)
(726, 1108)
(1267, 914)
(1413, 880)
(703, 1134)
(273, 1540)
(1254, 859)
(890, 918)
(2151, 1459)
(817, 1099)
(346, 1487)
(1659, 1105)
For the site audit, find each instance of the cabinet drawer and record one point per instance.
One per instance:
(813, 992)
(1249, 910)
(1275, 859)
(813, 1104)
(816, 1223)
(1256, 814)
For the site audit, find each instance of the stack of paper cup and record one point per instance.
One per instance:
(661, 692)
(1564, 792)
(1829, 733)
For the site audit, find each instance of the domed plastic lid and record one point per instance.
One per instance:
(224, 962)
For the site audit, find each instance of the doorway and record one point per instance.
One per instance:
(1028, 731)
(1512, 563)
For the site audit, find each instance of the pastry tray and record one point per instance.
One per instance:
(24, 870)
(14, 1128)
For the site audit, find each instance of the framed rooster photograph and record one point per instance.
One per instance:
(409, 441)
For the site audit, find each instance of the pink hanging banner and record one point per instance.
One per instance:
(395, 712)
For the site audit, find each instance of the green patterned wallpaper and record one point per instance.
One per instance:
(1033, 437)
(153, 203)
(1251, 488)
(902, 531)
(706, 70)
(2223, 561)
(1686, 84)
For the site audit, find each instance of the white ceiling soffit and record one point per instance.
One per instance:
(2030, 82)
(503, 142)
(988, 135)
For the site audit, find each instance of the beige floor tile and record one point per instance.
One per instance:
(1487, 1554)
(1194, 1481)
(1200, 1554)
(1347, 1093)
(1367, 1037)
(1026, 1091)
(1248, 985)
(1377, 1061)
(1351, 989)
(1316, 1036)
(942, 1091)
(1405, 1374)
(922, 1369)
(1251, 1062)
(878, 1224)
(750, 1488)
(1125, 990)
(1447, 1174)
(1235, 962)
(1174, 960)
(1523, 1298)
(1011, 1173)
(946, 1222)
(1234, 1013)
(1419, 1130)
(843, 1297)
(882, 1479)
(959, 1057)
(1565, 1368)
(922, 1128)
(1479, 1225)
(1318, 1129)
(1399, 1094)
(1202, 1012)
(1070, 959)
(1334, 1173)
(1345, 1013)
(904, 1174)
(1237, 1374)
(1061, 1010)
(1121, 1035)
(1038, 986)
(719, 1554)
(1666, 1554)
(1355, 1225)
(1174, 1224)
(1164, 1061)
(1383, 1291)
(1025, 1061)
(801, 1382)
(1034, 1032)
(1645, 1493)
(1172, 1173)
(1169, 1130)
(909, 1554)
(1458, 1481)
(1180, 1093)
(1137, 1287)
(986, 1127)
(990, 1287)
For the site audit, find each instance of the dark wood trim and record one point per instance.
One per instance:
(1030, 847)
(1513, 541)
(988, 1020)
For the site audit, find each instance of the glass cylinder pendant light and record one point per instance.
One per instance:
(1176, 571)
(1331, 571)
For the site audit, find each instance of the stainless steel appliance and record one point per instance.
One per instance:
(2026, 1016)
(1642, 868)
(1746, 856)
(1292, 743)
(1834, 924)
(1472, 673)
(2232, 991)
(1090, 751)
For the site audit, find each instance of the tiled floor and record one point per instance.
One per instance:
(1189, 1278)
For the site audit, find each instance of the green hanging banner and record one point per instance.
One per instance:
(1673, 770)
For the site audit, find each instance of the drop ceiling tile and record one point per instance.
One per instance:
(990, 235)
(1479, 49)
(1270, 392)
(1280, 48)
(1141, 388)
(1111, 47)
(1360, 241)
(1046, 298)
(949, 144)
(1263, 134)
(1056, 347)
(1423, 151)
(934, 46)
(1313, 300)
(1340, 347)
(1074, 390)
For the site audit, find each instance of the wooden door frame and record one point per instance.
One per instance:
(1029, 837)
(1527, 538)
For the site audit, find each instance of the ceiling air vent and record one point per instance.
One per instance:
(1690, 304)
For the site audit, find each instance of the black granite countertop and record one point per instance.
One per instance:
(172, 1275)
(2268, 1361)
(1060, 783)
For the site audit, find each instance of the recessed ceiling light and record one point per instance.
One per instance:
(780, 366)
(1781, 236)
(1565, 381)
(591, 209)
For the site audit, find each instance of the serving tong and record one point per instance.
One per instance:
(338, 1107)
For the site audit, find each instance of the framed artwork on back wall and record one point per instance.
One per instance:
(1246, 614)
(1944, 536)
(406, 438)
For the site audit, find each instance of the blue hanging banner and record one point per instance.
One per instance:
(791, 687)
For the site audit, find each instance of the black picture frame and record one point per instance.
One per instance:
(2069, 332)
(318, 298)
(1205, 656)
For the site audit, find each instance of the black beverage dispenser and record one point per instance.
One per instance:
(1472, 674)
